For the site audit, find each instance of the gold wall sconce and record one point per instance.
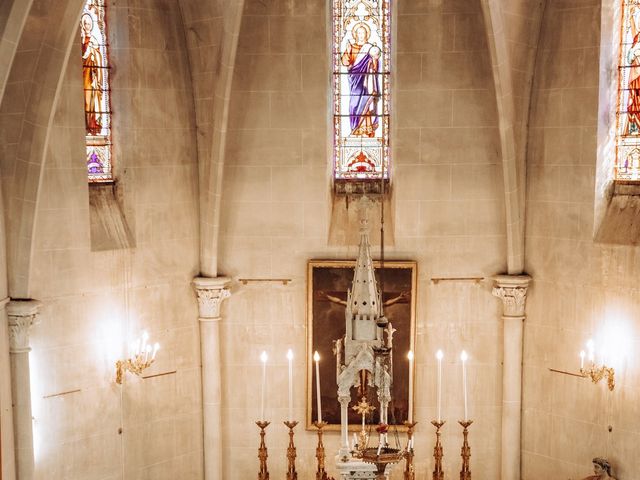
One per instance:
(143, 355)
(594, 371)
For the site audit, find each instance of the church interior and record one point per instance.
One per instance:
(438, 198)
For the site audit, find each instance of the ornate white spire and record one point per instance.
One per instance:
(364, 298)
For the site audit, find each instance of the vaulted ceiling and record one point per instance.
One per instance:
(37, 38)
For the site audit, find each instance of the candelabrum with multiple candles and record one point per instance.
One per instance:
(141, 357)
(381, 455)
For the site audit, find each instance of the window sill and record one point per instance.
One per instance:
(347, 187)
(621, 222)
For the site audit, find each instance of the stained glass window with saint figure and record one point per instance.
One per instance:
(95, 80)
(361, 76)
(628, 128)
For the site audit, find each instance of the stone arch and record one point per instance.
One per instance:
(28, 104)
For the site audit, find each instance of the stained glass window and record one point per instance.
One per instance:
(95, 80)
(361, 76)
(628, 128)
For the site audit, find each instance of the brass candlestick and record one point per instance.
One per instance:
(409, 470)
(465, 453)
(263, 474)
(291, 452)
(321, 473)
(438, 473)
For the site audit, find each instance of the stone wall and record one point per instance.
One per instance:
(448, 211)
(581, 289)
(96, 303)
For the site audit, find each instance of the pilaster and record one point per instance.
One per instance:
(211, 293)
(512, 290)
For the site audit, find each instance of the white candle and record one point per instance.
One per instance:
(592, 351)
(410, 357)
(363, 424)
(439, 356)
(582, 354)
(464, 357)
(145, 337)
(263, 357)
(156, 347)
(290, 358)
(316, 358)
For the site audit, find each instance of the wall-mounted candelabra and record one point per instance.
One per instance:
(142, 356)
(594, 371)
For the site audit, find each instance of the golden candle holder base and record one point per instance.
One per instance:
(598, 373)
(136, 365)
(263, 473)
(465, 453)
(321, 473)
(291, 452)
(438, 453)
(409, 469)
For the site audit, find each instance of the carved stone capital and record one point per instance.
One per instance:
(512, 290)
(211, 293)
(22, 315)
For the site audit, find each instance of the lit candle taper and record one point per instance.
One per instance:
(582, 354)
(156, 347)
(410, 357)
(592, 351)
(263, 358)
(145, 337)
(316, 358)
(439, 356)
(464, 357)
(290, 358)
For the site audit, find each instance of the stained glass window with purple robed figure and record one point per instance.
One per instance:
(95, 81)
(361, 76)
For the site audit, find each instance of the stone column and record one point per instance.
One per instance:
(211, 293)
(7, 443)
(343, 453)
(512, 290)
(22, 315)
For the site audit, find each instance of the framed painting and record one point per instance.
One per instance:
(327, 284)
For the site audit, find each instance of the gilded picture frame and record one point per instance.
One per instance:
(327, 285)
